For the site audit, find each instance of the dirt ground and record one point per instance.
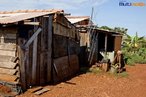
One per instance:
(132, 84)
(4, 89)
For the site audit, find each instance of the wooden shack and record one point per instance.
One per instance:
(94, 42)
(104, 45)
(82, 23)
(37, 47)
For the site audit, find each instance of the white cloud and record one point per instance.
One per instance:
(43, 4)
(98, 2)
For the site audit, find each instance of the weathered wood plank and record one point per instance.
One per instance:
(4, 58)
(38, 56)
(34, 60)
(43, 67)
(27, 68)
(105, 44)
(117, 43)
(32, 23)
(33, 37)
(8, 78)
(61, 30)
(22, 59)
(41, 91)
(32, 90)
(14, 59)
(8, 71)
(7, 52)
(73, 47)
(74, 64)
(83, 39)
(10, 65)
(8, 46)
(61, 43)
(61, 68)
(49, 54)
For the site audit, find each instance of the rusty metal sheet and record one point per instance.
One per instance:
(12, 17)
(75, 19)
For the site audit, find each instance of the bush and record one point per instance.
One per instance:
(135, 57)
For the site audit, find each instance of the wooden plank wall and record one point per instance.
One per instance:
(21, 55)
(9, 34)
(118, 40)
(68, 52)
(83, 39)
(66, 48)
(43, 51)
(61, 43)
(66, 68)
(65, 31)
(37, 59)
(49, 49)
(64, 28)
(9, 68)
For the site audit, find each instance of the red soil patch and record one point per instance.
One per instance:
(4, 89)
(101, 85)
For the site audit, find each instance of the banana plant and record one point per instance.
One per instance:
(133, 43)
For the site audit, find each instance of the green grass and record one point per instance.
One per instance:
(123, 74)
(98, 71)
(95, 70)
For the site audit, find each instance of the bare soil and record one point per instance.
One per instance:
(101, 85)
(4, 89)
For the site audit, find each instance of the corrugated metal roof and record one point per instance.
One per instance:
(15, 16)
(75, 19)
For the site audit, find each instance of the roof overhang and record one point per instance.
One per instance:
(76, 19)
(13, 17)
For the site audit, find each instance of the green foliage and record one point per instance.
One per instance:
(133, 42)
(106, 28)
(123, 74)
(134, 49)
(116, 29)
(136, 57)
(120, 30)
(95, 70)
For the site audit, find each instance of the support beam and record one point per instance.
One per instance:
(32, 38)
(32, 23)
(34, 61)
(97, 46)
(50, 38)
(105, 45)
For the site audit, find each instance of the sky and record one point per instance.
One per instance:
(106, 12)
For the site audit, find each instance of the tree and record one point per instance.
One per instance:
(116, 29)
(133, 43)
(134, 49)
(105, 28)
(120, 30)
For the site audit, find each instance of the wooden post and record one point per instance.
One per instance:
(33, 37)
(2, 39)
(42, 55)
(49, 60)
(105, 45)
(34, 60)
(22, 58)
(97, 50)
